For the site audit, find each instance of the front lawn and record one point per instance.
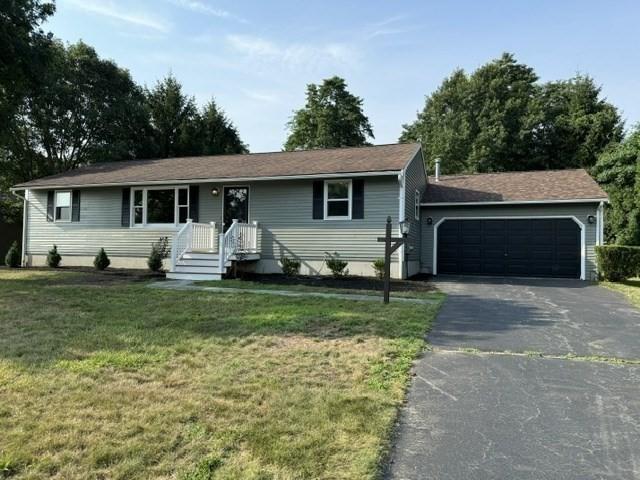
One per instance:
(630, 288)
(115, 380)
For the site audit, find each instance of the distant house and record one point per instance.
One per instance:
(257, 208)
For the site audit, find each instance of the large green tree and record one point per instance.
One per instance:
(500, 118)
(23, 52)
(86, 110)
(174, 119)
(618, 171)
(331, 117)
(217, 132)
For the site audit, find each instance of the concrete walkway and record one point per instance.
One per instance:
(188, 285)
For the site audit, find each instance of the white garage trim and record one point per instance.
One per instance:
(583, 244)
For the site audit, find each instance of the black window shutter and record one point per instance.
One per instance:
(75, 206)
(126, 207)
(194, 202)
(318, 200)
(357, 209)
(50, 194)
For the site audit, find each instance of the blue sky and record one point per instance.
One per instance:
(256, 57)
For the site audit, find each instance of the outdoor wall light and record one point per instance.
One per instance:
(215, 192)
(404, 228)
(429, 221)
(591, 219)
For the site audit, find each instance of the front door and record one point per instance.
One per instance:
(235, 205)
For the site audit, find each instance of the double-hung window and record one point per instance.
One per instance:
(337, 199)
(160, 206)
(63, 206)
(416, 200)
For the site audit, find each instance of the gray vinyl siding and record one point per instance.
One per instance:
(415, 180)
(282, 208)
(580, 211)
(99, 226)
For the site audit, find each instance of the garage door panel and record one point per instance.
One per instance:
(523, 247)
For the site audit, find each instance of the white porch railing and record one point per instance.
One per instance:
(241, 238)
(193, 236)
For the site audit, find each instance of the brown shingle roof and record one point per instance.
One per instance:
(513, 187)
(378, 158)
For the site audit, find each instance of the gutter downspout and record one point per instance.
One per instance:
(25, 212)
(401, 218)
(600, 226)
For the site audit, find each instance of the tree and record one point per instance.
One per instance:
(499, 118)
(331, 117)
(86, 110)
(174, 119)
(618, 171)
(23, 55)
(218, 134)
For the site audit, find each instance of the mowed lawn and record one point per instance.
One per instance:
(102, 377)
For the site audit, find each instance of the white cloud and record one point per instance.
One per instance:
(293, 55)
(202, 7)
(110, 10)
(261, 96)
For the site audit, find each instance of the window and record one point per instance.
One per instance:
(160, 206)
(417, 205)
(63, 206)
(337, 196)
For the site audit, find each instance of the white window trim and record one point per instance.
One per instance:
(416, 207)
(176, 206)
(583, 243)
(55, 206)
(349, 199)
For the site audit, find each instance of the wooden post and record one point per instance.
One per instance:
(391, 244)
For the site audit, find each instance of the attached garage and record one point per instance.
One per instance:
(540, 247)
(526, 224)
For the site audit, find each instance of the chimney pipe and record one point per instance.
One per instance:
(437, 169)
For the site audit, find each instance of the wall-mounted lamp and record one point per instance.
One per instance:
(591, 219)
(405, 227)
(215, 192)
(429, 221)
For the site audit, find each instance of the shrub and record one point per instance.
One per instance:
(618, 262)
(102, 260)
(378, 267)
(290, 267)
(53, 257)
(12, 259)
(159, 251)
(337, 266)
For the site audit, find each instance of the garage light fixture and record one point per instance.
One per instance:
(591, 219)
(215, 192)
(429, 221)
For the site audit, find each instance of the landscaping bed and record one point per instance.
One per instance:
(418, 287)
(116, 380)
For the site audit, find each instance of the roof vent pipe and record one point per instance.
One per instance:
(437, 169)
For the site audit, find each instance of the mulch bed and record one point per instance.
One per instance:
(418, 283)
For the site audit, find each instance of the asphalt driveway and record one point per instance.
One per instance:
(479, 409)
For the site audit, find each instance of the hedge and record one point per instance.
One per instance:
(618, 262)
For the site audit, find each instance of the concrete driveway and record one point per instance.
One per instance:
(479, 408)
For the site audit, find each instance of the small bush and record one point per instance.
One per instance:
(337, 266)
(102, 260)
(12, 259)
(378, 267)
(618, 262)
(159, 251)
(53, 257)
(290, 267)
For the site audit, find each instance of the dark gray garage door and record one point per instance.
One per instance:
(527, 247)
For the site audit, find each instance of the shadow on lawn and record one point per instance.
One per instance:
(58, 316)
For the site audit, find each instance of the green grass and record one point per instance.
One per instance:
(266, 285)
(116, 380)
(630, 288)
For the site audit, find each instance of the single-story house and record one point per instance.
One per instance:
(257, 208)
